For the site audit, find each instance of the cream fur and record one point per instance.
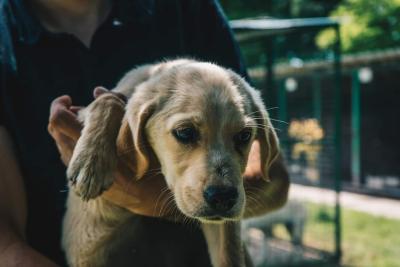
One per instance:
(163, 97)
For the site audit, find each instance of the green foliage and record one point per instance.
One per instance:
(368, 25)
(285, 47)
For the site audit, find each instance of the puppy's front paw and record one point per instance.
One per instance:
(90, 174)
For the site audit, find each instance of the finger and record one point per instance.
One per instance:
(62, 119)
(120, 196)
(67, 123)
(64, 141)
(75, 109)
(64, 144)
(253, 169)
(252, 173)
(66, 147)
(253, 177)
(142, 196)
(64, 100)
(98, 91)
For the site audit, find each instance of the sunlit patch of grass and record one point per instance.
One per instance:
(366, 240)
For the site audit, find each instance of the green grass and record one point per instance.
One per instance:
(367, 241)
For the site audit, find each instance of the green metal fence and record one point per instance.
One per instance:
(307, 110)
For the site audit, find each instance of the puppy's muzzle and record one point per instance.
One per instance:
(221, 198)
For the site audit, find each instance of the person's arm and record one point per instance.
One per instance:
(14, 250)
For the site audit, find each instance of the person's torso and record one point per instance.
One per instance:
(58, 64)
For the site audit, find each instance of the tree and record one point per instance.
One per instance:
(367, 25)
(291, 45)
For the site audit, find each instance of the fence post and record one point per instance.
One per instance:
(355, 129)
(338, 143)
(317, 105)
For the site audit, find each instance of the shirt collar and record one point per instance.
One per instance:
(28, 28)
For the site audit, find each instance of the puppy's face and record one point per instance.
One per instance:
(200, 121)
(202, 136)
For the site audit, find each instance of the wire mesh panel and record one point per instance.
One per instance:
(304, 107)
(307, 127)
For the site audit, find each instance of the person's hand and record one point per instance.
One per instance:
(64, 126)
(148, 196)
(253, 170)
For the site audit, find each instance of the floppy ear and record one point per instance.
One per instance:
(132, 144)
(266, 135)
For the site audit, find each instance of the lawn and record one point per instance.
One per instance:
(367, 241)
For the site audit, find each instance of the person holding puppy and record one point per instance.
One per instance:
(53, 53)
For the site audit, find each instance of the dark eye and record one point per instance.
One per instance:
(243, 137)
(186, 135)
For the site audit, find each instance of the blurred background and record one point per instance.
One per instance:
(329, 72)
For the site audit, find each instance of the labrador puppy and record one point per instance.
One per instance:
(197, 121)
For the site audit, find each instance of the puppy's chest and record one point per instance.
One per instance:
(143, 241)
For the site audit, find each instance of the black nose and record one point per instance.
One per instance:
(221, 198)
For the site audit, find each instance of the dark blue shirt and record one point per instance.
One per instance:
(37, 66)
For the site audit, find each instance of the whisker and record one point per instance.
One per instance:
(170, 206)
(154, 171)
(254, 199)
(254, 112)
(163, 191)
(250, 211)
(260, 126)
(258, 111)
(166, 205)
(279, 121)
(265, 197)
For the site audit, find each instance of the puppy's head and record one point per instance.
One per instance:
(200, 121)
